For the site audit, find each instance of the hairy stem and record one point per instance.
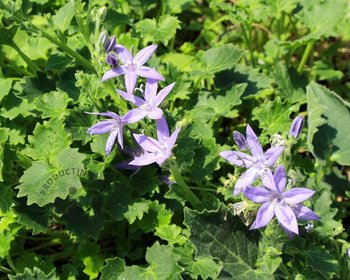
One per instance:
(305, 57)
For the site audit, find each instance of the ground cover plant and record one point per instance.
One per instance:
(174, 139)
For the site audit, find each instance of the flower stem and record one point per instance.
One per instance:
(10, 263)
(184, 188)
(34, 68)
(5, 270)
(305, 57)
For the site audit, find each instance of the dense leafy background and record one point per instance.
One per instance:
(260, 62)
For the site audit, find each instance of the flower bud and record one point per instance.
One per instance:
(240, 140)
(109, 45)
(297, 126)
(112, 60)
(102, 12)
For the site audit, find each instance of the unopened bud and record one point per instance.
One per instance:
(297, 126)
(112, 60)
(101, 13)
(240, 140)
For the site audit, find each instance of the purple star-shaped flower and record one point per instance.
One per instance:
(114, 126)
(156, 150)
(258, 164)
(285, 205)
(133, 66)
(149, 105)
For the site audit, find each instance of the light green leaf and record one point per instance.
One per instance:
(5, 86)
(163, 265)
(35, 274)
(273, 116)
(136, 210)
(3, 139)
(329, 130)
(218, 59)
(177, 6)
(113, 268)
(44, 181)
(171, 233)
(53, 104)
(48, 139)
(64, 16)
(227, 240)
(163, 30)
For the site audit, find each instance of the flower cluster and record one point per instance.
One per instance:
(286, 205)
(151, 150)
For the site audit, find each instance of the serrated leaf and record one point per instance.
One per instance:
(58, 62)
(64, 16)
(30, 259)
(204, 267)
(5, 86)
(113, 268)
(273, 116)
(227, 240)
(43, 182)
(53, 104)
(136, 210)
(329, 130)
(163, 30)
(218, 59)
(35, 274)
(171, 233)
(3, 139)
(48, 139)
(89, 253)
(163, 265)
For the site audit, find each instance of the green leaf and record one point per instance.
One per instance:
(48, 139)
(163, 265)
(218, 59)
(273, 116)
(43, 182)
(329, 130)
(58, 62)
(89, 253)
(177, 6)
(64, 16)
(324, 265)
(113, 268)
(163, 30)
(53, 104)
(5, 87)
(35, 274)
(136, 210)
(30, 259)
(227, 240)
(171, 233)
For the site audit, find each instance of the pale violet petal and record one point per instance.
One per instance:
(131, 98)
(110, 141)
(134, 115)
(144, 159)
(238, 158)
(253, 143)
(149, 73)
(123, 54)
(286, 217)
(304, 213)
(267, 179)
(113, 73)
(172, 139)
(245, 180)
(101, 127)
(257, 194)
(163, 94)
(272, 154)
(297, 195)
(150, 90)
(264, 215)
(162, 130)
(144, 55)
(155, 114)
(280, 178)
(130, 81)
(148, 143)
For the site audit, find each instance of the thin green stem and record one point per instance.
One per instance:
(185, 189)
(285, 271)
(10, 263)
(34, 68)
(305, 56)
(249, 44)
(5, 270)
(67, 49)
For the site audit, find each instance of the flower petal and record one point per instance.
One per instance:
(172, 139)
(155, 114)
(286, 217)
(148, 143)
(134, 115)
(113, 73)
(110, 141)
(297, 195)
(120, 136)
(123, 54)
(131, 98)
(150, 90)
(272, 154)
(304, 213)
(130, 81)
(105, 114)
(264, 216)
(150, 73)
(267, 179)
(297, 126)
(238, 158)
(245, 180)
(101, 127)
(253, 143)
(144, 54)
(280, 178)
(145, 159)
(240, 140)
(162, 130)
(257, 194)
(163, 93)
